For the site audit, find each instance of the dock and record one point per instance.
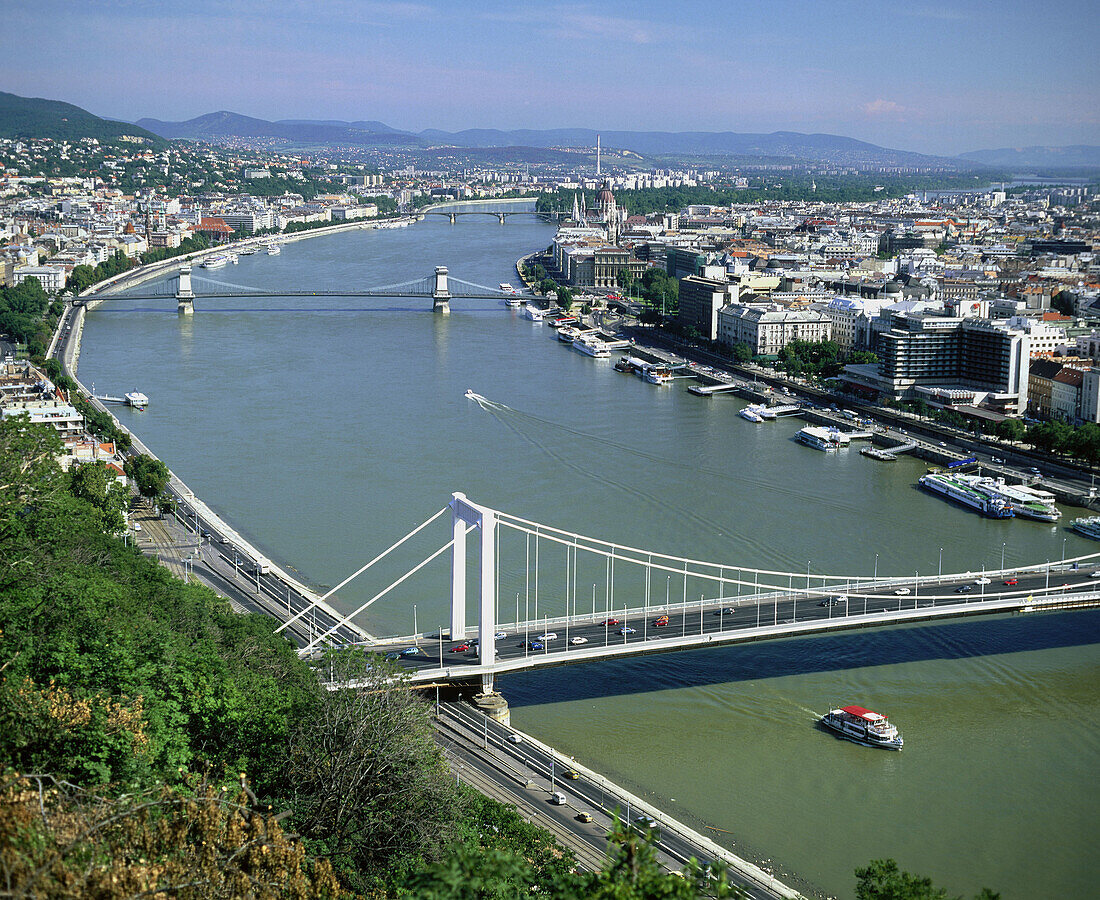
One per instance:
(705, 390)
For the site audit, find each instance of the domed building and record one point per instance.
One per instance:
(610, 214)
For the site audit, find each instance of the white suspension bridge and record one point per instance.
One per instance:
(579, 598)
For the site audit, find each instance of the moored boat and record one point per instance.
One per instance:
(751, 414)
(863, 726)
(137, 400)
(1029, 502)
(954, 489)
(216, 261)
(825, 439)
(1089, 526)
(533, 313)
(274, 249)
(592, 346)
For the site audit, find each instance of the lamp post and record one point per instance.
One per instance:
(416, 631)
(876, 567)
(939, 570)
(1003, 543)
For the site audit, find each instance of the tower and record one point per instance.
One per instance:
(597, 156)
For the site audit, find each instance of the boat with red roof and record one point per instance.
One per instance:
(863, 726)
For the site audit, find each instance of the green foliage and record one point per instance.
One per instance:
(22, 308)
(193, 244)
(34, 118)
(546, 286)
(1010, 430)
(1059, 438)
(97, 486)
(100, 423)
(741, 352)
(661, 291)
(148, 473)
(881, 879)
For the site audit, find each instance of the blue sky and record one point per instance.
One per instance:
(927, 76)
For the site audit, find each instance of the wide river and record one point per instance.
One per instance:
(326, 428)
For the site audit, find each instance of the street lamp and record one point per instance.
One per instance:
(939, 571)
(1003, 554)
(876, 567)
(415, 630)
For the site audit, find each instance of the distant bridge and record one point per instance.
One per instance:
(501, 216)
(436, 287)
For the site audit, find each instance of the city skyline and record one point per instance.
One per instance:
(931, 78)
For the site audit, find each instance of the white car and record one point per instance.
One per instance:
(982, 580)
(584, 640)
(549, 636)
(515, 739)
(501, 635)
(1095, 574)
(901, 592)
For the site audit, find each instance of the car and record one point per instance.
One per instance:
(996, 459)
(411, 651)
(1095, 574)
(137, 526)
(626, 629)
(570, 774)
(225, 539)
(833, 601)
(584, 817)
(548, 636)
(1011, 582)
(942, 444)
(207, 535)
(461, 648)
(660, 622)
(902, 592)
(578, 640)
(536, 645)
(393, 654)
(1032, 470)
(501, 635)
(983, 580)
(515, 739)
(964, 589)
(644, 821)
(610, 621)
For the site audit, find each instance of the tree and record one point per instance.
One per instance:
(742, 352)
(881, 879)
(95, 484)
(368, 784)
(149, 474)
(546, 286)
(565, 298)
(1010, 430)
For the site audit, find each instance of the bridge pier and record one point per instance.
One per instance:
(185, 297)
(453, 218)
(441, 296)
(500, 216)
(493, 705)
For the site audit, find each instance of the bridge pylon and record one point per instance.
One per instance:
(464, 514)
(185, 297)
(441, 296)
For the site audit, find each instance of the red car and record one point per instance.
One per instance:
(461, 648)
(660, 621)
(611, 621)
(1011, 582)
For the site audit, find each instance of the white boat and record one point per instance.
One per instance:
(567, 333)
(1089, 527)
(863, 726)
(749, 413)
(533, 313)
(274, 249)
(513, 301)
(592, 346)
(953, 488)
(659, 375)
(232, 257)
(137, 400)
(1025, 501)
(217, 261)
(506, 287)
(825, 439)
(247, 250)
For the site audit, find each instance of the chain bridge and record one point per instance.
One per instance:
(439, 287)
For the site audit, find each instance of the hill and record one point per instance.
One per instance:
(223, 124)
(34, 117)
(1072, 156)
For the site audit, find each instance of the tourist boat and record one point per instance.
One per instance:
(506, 287)
(1089, 527)
(629, 365)
(659, 375)
(863, 726)
(533, 313)
(137, 400)
(232, 257)
(827, 440)
(954, 489)
(1029, 502)
(751, 414)
(592, 346)
(567, 333)
(274, 249)
(217, 261)
(247, 250)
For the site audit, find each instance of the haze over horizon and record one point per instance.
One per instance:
(930, 77)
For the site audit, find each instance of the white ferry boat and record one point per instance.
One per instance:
(274, 249)
(863, 726)
(658, 375)
(750, 413)
(567, 334)
(1029, 502)
(513, 302)
(506, 287)
(217, 261)
(955, 489)
(827, 440)
(232, 257)
(533, 313)
(137, 400)
(592, 346)
(1089, 527)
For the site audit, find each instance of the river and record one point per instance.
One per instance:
(326, 428)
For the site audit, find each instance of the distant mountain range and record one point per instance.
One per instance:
(24, 117)
(1073, 156)
(33, 117)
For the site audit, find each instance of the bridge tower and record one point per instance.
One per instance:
(465, 514)
(500, 216)
(185, 297)
(453, 218)
(440, 294)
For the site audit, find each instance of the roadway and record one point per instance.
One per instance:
(526, 774)
(730, 616)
